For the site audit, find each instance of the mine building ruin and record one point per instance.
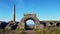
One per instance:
(22, 23)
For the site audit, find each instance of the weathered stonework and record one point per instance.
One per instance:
(28, 17)
(38, 24)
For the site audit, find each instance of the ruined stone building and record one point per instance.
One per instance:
(38, 24)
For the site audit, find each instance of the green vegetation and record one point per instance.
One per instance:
(22, 32)
(36, 31)
(48, 31)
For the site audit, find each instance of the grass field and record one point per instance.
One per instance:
(36, 31)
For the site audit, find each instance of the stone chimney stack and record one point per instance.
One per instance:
(13, 14)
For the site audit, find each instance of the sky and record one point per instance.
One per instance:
(44, 9)
(30, 23)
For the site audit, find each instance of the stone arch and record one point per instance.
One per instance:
(27, 17)
(43, 23)
(58, 24)
(51, 23)
(26, 25)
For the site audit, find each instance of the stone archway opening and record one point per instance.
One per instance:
(43, 23)
(29, 24)
(27, 17)
(58, 24)
(51, 23)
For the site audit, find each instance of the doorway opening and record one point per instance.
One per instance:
(58, 24)
(29, 24)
